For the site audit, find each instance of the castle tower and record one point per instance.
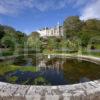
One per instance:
(58, 29)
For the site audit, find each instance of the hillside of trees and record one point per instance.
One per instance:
(78, 35)
(85, 31)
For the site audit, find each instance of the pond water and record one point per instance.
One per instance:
(44, 70)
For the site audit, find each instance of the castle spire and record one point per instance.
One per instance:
(58, 28)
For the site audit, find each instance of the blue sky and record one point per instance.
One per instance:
(31, 15)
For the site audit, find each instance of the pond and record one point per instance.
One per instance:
(44, 70)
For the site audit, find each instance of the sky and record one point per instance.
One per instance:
(31, 15)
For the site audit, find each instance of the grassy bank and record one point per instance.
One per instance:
(96, 54)
(5, 68)
(83, 52)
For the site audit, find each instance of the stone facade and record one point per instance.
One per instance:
(55, 31)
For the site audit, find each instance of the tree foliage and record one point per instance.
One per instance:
(72, 25)
(34, 42)
(9, 37)
(84, 30)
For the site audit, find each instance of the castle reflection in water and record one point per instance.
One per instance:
(51, 64)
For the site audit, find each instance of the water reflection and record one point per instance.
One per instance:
(52, 71)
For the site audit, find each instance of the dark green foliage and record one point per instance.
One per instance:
(9, 37)
(83, 30)
(2, 33)
(72, 25)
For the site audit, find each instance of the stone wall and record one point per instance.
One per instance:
(82, 91)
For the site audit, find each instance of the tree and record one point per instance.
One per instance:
(21, 38)
(69, 45)
(92, 24)
(8, 42)
(84, 30)
(52, 43)
(72, 25)
(34, 42)
(90, 29)
(2, 33)
(8, 37)
(35, 35)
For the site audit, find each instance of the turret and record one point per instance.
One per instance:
(58, 29)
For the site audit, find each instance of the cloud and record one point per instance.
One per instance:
(92, 10)
(80, 2)
(17, 6)
(14, 6)
(88, 8)
(50, 4)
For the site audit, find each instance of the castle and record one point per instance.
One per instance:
(55, 31)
